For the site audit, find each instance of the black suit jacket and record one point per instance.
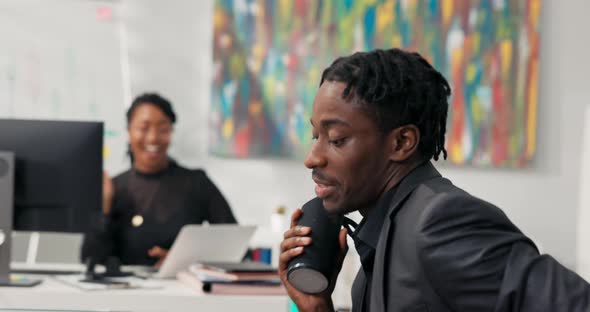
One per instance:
(441, 249)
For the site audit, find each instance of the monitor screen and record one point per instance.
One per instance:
(58, 173)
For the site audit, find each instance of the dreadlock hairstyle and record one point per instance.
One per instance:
(397, 88)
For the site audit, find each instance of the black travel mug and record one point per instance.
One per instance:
(310, 272)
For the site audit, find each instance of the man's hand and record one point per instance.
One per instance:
(295, 240)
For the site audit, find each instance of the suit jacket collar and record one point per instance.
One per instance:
(418, 176)
(369, 229)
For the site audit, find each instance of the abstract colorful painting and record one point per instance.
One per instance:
(269, 54)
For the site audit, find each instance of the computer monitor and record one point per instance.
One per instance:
(50, 181)
(57, 174)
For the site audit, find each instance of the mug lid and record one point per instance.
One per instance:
(307, 279)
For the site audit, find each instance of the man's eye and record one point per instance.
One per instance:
(338, 142)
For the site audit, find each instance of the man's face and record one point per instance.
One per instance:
(349, 157)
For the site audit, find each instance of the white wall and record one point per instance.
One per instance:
(170, 52)
(584, 210)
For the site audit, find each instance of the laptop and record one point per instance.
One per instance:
(211, 243)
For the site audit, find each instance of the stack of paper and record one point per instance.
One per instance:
(233, 278)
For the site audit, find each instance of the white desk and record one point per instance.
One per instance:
(52, 294)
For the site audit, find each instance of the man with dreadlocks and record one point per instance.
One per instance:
(425, 245)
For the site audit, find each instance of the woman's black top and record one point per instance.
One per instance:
(164, 202)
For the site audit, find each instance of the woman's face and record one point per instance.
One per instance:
(150, 131)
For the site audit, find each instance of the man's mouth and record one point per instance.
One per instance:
(323, 191)
(324, 187)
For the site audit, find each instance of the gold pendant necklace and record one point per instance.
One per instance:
(137, 220)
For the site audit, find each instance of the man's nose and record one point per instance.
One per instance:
(316, 157)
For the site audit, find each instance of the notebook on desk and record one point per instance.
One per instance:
(231, 288)
(212, 243)
(242, 271)
(237, 267)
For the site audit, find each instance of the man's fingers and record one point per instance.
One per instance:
(342, 239)
(298, 230)
(294, 242)
(288, 255)
(295, 216)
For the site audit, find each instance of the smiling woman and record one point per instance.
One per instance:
(145, 207)
(150, 119)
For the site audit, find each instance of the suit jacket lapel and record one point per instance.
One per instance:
(418, 176)
(409, 183)
(359, 286)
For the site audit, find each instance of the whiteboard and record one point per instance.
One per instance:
(62, 59)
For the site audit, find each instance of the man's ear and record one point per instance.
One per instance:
(403, 142)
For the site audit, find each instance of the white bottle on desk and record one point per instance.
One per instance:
(278, 225)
